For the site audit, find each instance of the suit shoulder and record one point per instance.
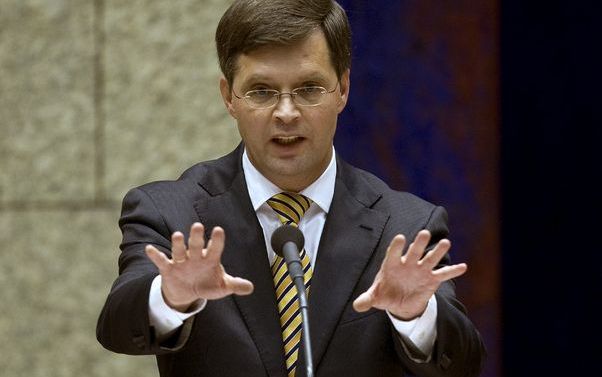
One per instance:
(388, 194)
(196, 176)
(185, 187)
(402, 206)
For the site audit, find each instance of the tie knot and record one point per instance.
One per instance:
(289, 206)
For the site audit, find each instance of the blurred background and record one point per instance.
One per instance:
(489, 108)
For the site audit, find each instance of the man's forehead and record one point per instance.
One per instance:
(308, 59)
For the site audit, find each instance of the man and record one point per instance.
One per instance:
(215, 305)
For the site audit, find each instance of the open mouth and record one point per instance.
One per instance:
(287, 140)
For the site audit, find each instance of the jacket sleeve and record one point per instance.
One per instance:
(123, 324)
(459, 349)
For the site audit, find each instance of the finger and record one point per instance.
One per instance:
(395, 250)
(158, 258)
(215, 246)
(196, 241)
(416, 249)
(450, 272)
(434, 256)
(239, 286)
(178, 248)
(364, 301)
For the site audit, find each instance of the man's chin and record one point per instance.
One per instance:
(289, 174)
(289, 167)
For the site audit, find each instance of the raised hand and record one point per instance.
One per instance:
(195, 272)
(405, 283)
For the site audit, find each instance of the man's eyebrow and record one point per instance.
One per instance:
(313, 76)
(302, 78)
(257, 78)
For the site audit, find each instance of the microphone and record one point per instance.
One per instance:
(287, 241)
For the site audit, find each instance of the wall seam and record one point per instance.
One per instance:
(58, 205)
(98, 96)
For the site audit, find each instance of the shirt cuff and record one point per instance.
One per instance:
(162, 317)
(421, 331)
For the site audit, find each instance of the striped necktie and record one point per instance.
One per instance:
(290, 208)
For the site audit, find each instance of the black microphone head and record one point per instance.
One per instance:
(284, 234)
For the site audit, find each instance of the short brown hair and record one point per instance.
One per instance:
(249, 24)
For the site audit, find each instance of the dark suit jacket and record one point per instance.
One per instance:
(240, 335)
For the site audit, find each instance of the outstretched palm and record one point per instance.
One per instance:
(404, 284)
(195, 272)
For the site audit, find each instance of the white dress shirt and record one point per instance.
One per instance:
(421, 331)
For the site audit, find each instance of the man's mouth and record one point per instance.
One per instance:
(287, 140)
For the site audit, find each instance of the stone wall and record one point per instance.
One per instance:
(96, 96)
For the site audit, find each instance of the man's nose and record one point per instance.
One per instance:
(286, 109)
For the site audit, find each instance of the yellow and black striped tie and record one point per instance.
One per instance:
(290, 208)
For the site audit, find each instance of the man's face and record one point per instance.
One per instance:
(291, 145)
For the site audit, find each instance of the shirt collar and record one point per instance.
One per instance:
(261, 189)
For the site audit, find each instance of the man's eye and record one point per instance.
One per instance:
(261, 93)
(309, 90)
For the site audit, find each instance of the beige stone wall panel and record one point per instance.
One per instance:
(163, 107)
(56, 272)
(46, 100)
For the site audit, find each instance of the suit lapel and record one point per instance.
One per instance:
(351, 234)
(245, 256)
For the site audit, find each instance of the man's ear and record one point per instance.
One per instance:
(344, 90)
(227, 96)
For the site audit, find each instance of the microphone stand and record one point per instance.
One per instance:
(295, 269)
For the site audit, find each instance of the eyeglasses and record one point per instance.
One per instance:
(305, 96)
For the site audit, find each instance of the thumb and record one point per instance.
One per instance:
(158, 258)
(239, 286)
(363, 302)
